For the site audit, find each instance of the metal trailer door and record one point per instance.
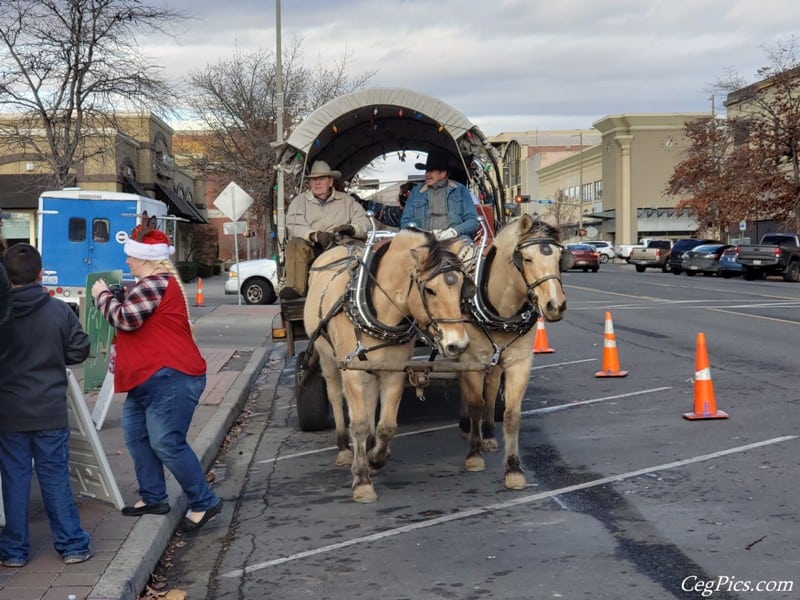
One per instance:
(79, 236)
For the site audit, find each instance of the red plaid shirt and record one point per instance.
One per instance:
(153, 332)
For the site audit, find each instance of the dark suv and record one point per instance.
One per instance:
(675, 260)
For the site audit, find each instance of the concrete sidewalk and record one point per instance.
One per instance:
(236, 343)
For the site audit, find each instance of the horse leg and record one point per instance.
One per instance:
(360, 429)
(516, 380)
(471, 384)
(491, 388)
(391, 392)
(333, 384)
(463, 418)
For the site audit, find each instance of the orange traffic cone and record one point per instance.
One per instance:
(198, 301)
(540, 345)
(705, 407)
(610, 358)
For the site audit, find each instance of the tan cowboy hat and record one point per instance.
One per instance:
(321, 169)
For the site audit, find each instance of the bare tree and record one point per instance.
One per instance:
(235, 99)
(67, 67)
(748, 167)
(562, 210)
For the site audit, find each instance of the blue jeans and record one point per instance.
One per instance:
(155, 419)
(48, 452)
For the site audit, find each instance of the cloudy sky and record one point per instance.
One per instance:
(508, 65)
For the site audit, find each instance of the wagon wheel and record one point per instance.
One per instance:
(311, 396)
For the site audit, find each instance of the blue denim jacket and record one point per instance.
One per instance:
(460, 209)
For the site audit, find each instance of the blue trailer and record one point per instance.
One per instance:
(83, 231)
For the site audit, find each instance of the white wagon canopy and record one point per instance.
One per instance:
(352, 130)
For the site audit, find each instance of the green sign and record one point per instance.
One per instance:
(100, 332)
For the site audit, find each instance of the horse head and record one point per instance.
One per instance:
(435, 298)
(537, 254)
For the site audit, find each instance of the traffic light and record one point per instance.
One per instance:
(520, 198)
(249, 233)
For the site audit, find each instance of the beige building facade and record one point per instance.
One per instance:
(614, 174)
(135, 157)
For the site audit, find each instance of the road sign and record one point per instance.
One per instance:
(742, 225)
(234, 227)
(544, 201)
(233, 201)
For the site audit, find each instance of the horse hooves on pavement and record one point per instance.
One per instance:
(475, 464)
(515, 481)
(344, 458)
(365, 494)
(490, 445)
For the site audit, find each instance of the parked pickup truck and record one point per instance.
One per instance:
(654, 255)
(776, 254)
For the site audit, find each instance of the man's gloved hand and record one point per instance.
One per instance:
(323, 238)
(343, 233)
(444, 234)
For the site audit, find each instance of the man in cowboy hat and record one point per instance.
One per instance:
(440, 205)
(315, 220)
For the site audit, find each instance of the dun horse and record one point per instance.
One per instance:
(519, 278)
(415, 285)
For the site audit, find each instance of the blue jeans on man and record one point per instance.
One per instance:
(155, 420)
(48, 452)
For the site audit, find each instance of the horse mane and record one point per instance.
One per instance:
(540, 229)
(439, 256)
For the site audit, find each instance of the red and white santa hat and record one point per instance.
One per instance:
(154, 245)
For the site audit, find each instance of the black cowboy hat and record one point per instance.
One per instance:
(437, 161)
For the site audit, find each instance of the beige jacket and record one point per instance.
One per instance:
(306, 214)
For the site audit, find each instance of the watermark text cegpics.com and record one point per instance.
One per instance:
(723, 583)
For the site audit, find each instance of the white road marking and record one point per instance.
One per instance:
(472, 512)
(559, 407)
(534, 411)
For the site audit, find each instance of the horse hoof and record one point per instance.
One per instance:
(344, 458)
(515, 481)
(475, 464)
(365, 494)
(490, 445)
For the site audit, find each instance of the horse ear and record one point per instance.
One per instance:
(525, 222)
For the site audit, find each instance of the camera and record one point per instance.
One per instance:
(117, 291)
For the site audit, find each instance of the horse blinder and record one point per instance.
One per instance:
(566, 261)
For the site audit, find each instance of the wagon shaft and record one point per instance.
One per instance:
(437, 366)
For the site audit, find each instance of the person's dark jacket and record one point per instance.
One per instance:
(44, 337)
(5, 306)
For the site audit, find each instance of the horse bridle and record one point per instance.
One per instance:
(432, 326)
(517, 259)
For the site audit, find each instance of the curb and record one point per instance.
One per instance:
(128, 573)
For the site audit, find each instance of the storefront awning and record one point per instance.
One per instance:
(131, 186)
(180, 207)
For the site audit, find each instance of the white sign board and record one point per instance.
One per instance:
(90, 473)
(234, 227)
(233, 201)
(742, 225)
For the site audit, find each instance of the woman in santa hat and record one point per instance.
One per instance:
(160, 367)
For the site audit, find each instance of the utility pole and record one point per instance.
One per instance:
(279, 196)
(580, 189)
